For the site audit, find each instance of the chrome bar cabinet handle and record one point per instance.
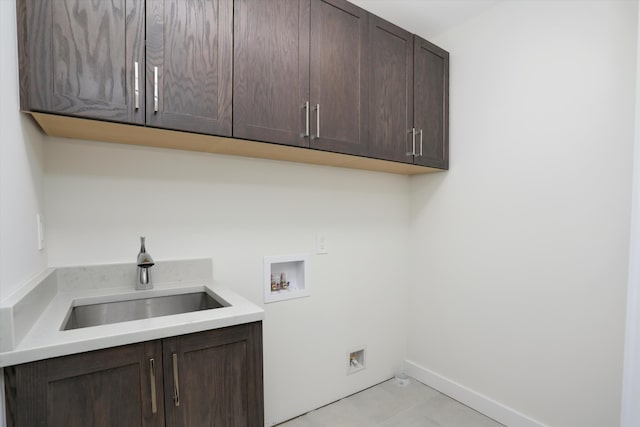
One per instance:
(421, 132)
(136, 85)
(152, 376)
(176, 383)
(305, 106)
(317, 121)
(412, 131)
(155, 89)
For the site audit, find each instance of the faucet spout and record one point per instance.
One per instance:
(144, 279)
(145, 262)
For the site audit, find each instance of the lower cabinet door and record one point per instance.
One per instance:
(214, 378)
(116, 387)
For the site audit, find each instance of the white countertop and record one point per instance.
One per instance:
(45, 339)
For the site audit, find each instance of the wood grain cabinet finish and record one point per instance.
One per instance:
(431, 104)
(271, 71)
(164, 63)
(390, 92)
(211, 378)
(79, 57)
(189, 65)
(215, 378)
(105, 388)
(339, 77)
(301, 73)
(320, 74)
(409, 93)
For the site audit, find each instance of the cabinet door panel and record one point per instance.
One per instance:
(78, 58)
(225, 378)
(431, 114)
(219, 378)
(271, 70)
(92, 405)
(189, 54)
(390, 91)
(339, 76)
(105, 388)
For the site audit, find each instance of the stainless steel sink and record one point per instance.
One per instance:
(83, 316)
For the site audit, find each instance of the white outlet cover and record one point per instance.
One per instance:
(322, 246)
(40, 227)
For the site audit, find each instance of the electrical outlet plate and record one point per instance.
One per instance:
(321, 243)
(40, 228)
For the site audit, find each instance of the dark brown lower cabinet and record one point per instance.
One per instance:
(211, 378)
(214, 378)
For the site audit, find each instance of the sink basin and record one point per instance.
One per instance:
(83, 316)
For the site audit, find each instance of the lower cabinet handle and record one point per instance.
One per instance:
(421, 132)
(176, 383)
(152, 376)
(155, 89)
(317, 121)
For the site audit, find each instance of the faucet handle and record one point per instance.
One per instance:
(144, 263)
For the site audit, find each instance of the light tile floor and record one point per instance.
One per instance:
(389, 405)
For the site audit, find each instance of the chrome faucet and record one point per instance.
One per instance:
(145, 262)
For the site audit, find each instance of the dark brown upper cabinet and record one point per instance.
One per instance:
(189, 65)
(301, 73)
(339, 77)
(271, 71)
(390, 92)
(409, 93)
(88, 59)
(321, 74)
(431, 104)
(80, 57)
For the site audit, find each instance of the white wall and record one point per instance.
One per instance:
(630, 414)
(522, 247)
(426, 18)
(20, 170)
(21, 166)
(100, 197)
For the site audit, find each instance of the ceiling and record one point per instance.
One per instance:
(427, 18)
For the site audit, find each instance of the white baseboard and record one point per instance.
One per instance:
(489, 407)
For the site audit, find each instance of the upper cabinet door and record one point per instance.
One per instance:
(80, 57)
(271, 71)
(189, 65)
(431, 113)
(339, 77)
(390, 91)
